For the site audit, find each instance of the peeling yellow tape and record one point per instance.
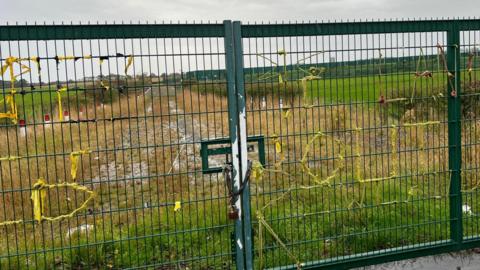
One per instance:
(178, 206)
(74, 162)
(59, 100)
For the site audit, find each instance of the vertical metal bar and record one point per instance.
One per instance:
(234, 129)
(454, 131)
(242, 139)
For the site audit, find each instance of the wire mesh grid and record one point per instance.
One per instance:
(358, 152)
(101, 128)
(469, 110)
(121, 118)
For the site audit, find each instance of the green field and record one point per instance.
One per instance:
(314, 221)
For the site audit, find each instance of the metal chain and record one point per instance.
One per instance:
(227, 175)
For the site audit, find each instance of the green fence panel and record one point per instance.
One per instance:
(102, 129)
(229, 146)
(468, 66)
(364, 123)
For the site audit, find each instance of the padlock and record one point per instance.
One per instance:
(233, 213)
(453, 93)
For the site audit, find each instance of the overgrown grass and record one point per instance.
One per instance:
(133, 215)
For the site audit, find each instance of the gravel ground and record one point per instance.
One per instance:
(467, 260)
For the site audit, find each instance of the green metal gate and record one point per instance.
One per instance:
(100, 153)
(230, 146)
(366, 123)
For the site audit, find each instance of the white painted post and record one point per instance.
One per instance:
(66, 116)
(22, 127)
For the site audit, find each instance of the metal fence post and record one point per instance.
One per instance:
(454, 132)
(233, 123)
(242, 121)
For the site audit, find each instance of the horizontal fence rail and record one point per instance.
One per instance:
(229, 146)
(60, 32)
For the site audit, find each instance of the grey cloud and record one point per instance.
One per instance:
(217, 10)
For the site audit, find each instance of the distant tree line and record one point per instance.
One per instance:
(4, 84)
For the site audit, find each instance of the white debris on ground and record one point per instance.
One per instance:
(132, 165)
(466, 209)
(79, 230)
(189, 130)
(130, 168)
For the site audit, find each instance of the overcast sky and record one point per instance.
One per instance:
(58, 11)
(245, 10)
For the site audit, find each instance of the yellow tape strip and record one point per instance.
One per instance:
(265, 224)
(59, 99)
(10, 158)
(358, 165)
(278, 198)
(281, 80)
(40, 192)
(9, 115)
(260, 244)
(278, 150)
(278, 147)
(9, 66)
(38, 198)
(411, 192)
(257, 171)
(63, 58)
(358, 171)
(421, 123)
(13, 222)
(12, 112)
(280, 75)
(303, 81)
(105, 87)
(370, 180)
(129, 63)
(257, 175)
(393, 144)
(10, 98)
(178, 206)
(395, 100)
(470, 61)
(74, 186)
(304, 160)
(74, 162)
